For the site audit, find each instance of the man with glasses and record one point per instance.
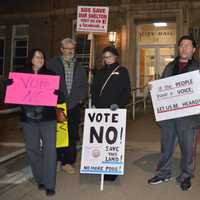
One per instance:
(73, 90)
(182, 128)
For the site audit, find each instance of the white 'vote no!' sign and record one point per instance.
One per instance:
(103, 141)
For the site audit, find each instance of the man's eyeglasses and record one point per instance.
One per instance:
(186, 46)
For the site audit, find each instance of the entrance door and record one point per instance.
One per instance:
(152, 61)
(166, 55)
(155, 48)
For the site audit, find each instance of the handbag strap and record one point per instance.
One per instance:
(108, 79)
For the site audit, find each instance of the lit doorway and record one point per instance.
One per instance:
(155, 49)
(153, 60)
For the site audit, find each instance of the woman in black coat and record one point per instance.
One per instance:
(39, 128)
(111, 85)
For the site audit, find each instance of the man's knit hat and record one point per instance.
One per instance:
(111, 49)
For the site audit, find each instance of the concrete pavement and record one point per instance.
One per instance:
(142, 154)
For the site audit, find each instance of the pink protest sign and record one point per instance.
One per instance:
(32, 89)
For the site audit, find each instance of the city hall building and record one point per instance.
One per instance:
(146, 32)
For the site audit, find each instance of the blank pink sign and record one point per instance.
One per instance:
(32, 89)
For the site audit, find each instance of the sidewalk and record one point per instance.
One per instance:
(11, 138)
(142, 154)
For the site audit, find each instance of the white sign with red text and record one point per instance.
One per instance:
(92, 19)
(176, 96)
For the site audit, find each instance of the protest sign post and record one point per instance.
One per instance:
(91, 64)
(32, 89)
(103, 142)
(176, 96)
(92, 19)
(102, 181)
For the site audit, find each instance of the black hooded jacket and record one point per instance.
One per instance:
(116, 91)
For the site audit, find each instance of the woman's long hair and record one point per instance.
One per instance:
(31, 54)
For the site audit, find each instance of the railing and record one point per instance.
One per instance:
(9, 110)
(135, 102)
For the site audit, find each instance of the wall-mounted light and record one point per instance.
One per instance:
(160, 24)
(112, 37)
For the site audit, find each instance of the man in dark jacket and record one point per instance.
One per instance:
(73, 89)
(182, 128)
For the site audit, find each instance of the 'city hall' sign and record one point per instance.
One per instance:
(157, 36)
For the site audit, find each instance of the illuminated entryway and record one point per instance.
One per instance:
(155, 48)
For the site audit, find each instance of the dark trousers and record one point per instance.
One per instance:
(67, 155)
(42, 156)
(169, 136)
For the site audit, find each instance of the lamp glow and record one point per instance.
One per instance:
(112, 36)
(160, 24)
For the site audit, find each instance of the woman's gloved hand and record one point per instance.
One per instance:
(8, 82)
(114, 107)
(56, 92)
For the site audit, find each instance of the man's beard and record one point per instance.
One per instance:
(69, 57)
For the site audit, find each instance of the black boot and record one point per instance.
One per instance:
(110, 177)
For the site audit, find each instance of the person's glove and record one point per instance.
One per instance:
(56, 92)
(8, 82)
(61, 98)
(114, 107)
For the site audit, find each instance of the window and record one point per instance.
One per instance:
(82, 47)
(83, 50)
(2, 48)
(19, 45)
(2, 55)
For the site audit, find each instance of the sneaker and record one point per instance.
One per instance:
(41, 187)
(157, 179)
(178, 179)
(186, 184)
(50, 192)
(69, 169)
